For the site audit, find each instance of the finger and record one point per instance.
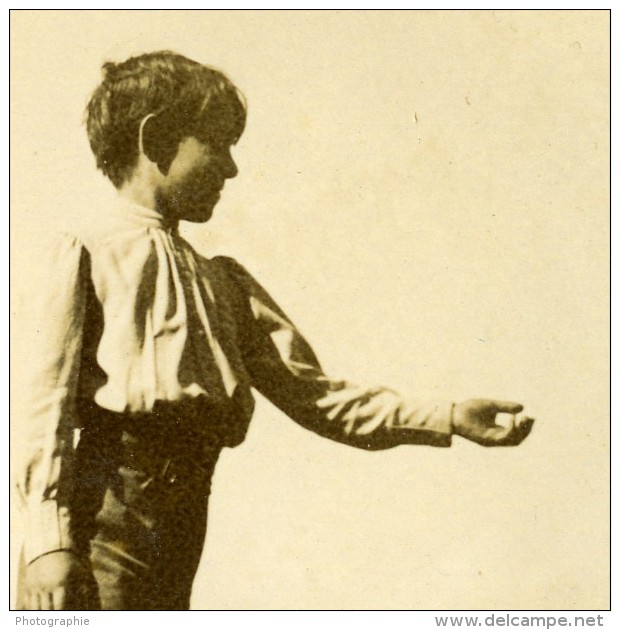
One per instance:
(33, 603)
(59, 598)
(505, 406)
(516, 435)
(45, 601)
(497, 435)
(522, 430)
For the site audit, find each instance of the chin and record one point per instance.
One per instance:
(199, 215)
(195, 218)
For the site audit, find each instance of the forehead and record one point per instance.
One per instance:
(222, 120)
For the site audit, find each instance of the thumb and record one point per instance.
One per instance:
(500, 434)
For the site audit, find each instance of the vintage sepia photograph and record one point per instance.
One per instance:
(310, 310)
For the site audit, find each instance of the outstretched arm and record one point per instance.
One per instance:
(284, 368)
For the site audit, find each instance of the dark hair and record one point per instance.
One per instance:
(186, 98)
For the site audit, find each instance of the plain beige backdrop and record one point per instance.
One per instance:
(426, 195)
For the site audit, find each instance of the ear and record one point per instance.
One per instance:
(159, 141)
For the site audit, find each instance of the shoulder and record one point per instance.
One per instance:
(224, 268)
(253, 292)
(65, 239)
(65, 260)
(230, 275)
(227, 274)
(64, 248)
(230, 278)
(236, 274)
(231, 267)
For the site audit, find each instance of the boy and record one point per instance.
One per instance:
(152, 350)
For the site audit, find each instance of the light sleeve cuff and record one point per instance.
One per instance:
(433, 418)
(47, 530)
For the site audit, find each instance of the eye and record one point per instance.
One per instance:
(224, 149)
(223, 144)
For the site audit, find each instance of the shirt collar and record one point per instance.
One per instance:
(143, 216)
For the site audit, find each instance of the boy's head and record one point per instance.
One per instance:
(180, 97)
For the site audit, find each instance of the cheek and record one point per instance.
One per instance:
(190, 180)
(189, 157)
(196, 189)
(184, 170)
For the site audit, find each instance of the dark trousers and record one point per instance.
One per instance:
(139, 509)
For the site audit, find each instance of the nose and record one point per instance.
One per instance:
(229, 168)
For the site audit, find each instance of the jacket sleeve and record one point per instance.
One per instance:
(284, 368)
(45, 457)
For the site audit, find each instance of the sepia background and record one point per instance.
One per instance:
(426, 195)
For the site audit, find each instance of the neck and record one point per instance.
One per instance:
(144, 189)
(139, 192)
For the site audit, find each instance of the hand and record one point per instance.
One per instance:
(475, 420)
(56, 581)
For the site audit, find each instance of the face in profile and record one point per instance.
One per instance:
(195, 179)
